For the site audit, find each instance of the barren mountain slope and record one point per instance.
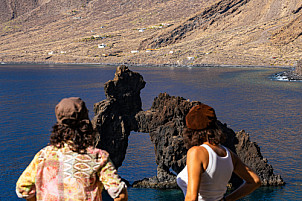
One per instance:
(289, 32)
(247, 32)
(11, 9)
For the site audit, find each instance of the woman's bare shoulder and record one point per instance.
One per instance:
(198, 156)
(197, 152)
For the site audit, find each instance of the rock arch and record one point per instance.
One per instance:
(121, 112)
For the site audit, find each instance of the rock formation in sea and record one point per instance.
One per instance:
(294, 74)
(121, 113)
(298, 69)
(114, 116)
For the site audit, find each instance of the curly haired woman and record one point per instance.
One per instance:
(71, 168)
(209, 164)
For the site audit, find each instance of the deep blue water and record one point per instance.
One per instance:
(244, 98)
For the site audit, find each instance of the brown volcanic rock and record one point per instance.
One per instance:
(114, 116)
(121, 113)
(165, 122)
(125, 90)
(249, 153)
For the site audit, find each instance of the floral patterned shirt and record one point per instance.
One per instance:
(57, 174)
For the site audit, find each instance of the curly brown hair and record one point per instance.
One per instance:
(77, 134)
(213, 135)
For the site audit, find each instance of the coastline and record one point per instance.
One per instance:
(287, 73)
(147, 65)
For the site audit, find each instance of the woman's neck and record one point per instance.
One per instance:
(211, 144)
(219, 150)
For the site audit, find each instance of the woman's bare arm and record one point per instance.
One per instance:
(196, 156)
(252, 181)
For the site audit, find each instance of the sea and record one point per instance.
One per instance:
(245, 98)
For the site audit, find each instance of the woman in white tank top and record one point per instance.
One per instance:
(209, 164)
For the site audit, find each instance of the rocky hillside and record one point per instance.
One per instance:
(240, 32)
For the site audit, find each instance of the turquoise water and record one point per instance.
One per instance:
(244, 98)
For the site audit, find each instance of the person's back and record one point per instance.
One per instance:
(209, 166)
(62, 174)
(71, 168)
(213, 182)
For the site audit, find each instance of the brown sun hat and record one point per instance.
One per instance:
(72, 108)
(200, 117)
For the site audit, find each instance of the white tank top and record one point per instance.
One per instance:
(213, 182)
